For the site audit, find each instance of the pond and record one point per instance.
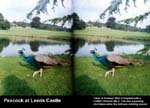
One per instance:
(83, 48)
(10, 48)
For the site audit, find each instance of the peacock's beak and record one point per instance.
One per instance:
(92, 51)
(20, 52)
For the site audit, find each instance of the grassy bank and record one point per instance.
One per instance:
(16, 79)
(31, 32)
(96, 33)
(131, 80)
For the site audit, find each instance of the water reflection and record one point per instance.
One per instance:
(34, 46)
(79, 47)
(111, 47)
(10, 48)
(3, 43)
(76, 44)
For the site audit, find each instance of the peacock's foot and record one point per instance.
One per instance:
(111, 71)
(41, 72)
(38, 72)
(107, 73)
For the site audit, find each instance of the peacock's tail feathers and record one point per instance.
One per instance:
(124, 61)
(50, 61)
(63, 61)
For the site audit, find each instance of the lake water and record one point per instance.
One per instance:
(82, 47)
(9, 48)
(111, 47)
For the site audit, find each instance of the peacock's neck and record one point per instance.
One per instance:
(23, 56)
(96, 57)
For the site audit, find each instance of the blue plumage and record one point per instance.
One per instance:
(103, 60)
(30, 59)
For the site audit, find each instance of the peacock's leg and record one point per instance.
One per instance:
(41, 71)
(107, 73)
(113, 72)
(38, 72)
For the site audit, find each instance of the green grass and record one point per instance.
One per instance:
(16, 79)
(31, 32)
(130, 80)
(95, 33)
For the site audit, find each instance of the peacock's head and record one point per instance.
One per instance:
(20, 52)
(92, 51)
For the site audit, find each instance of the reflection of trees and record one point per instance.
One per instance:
(76, 44)
(3, 43)
(145, 50)
(40, 42)
(110, 45)
(34, 46)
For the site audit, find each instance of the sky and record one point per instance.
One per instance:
(86, 9)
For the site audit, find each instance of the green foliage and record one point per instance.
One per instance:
(7, 25)
(147, 28)
(127, 27)
(94, 23)
(1, 17)
(77, 23)
(41, 26)
(42, 6)
(116, 26)
(53, 27)
(114, 8)
(4, 24)
(35, 22)
(136, 19)
(111, 22)
(21, 24)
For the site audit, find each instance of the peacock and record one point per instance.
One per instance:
(113, 61)
(42, 61)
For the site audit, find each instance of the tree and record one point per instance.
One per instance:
(7, 25)
(21, 23)
(4, 24)
(114, 8)
(95, 23)
(111, 22)
(148, 28)
(42, 6)
(1, 17)
(35, 22)
(77, 23)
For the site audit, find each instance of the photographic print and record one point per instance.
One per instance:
(76, 48)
